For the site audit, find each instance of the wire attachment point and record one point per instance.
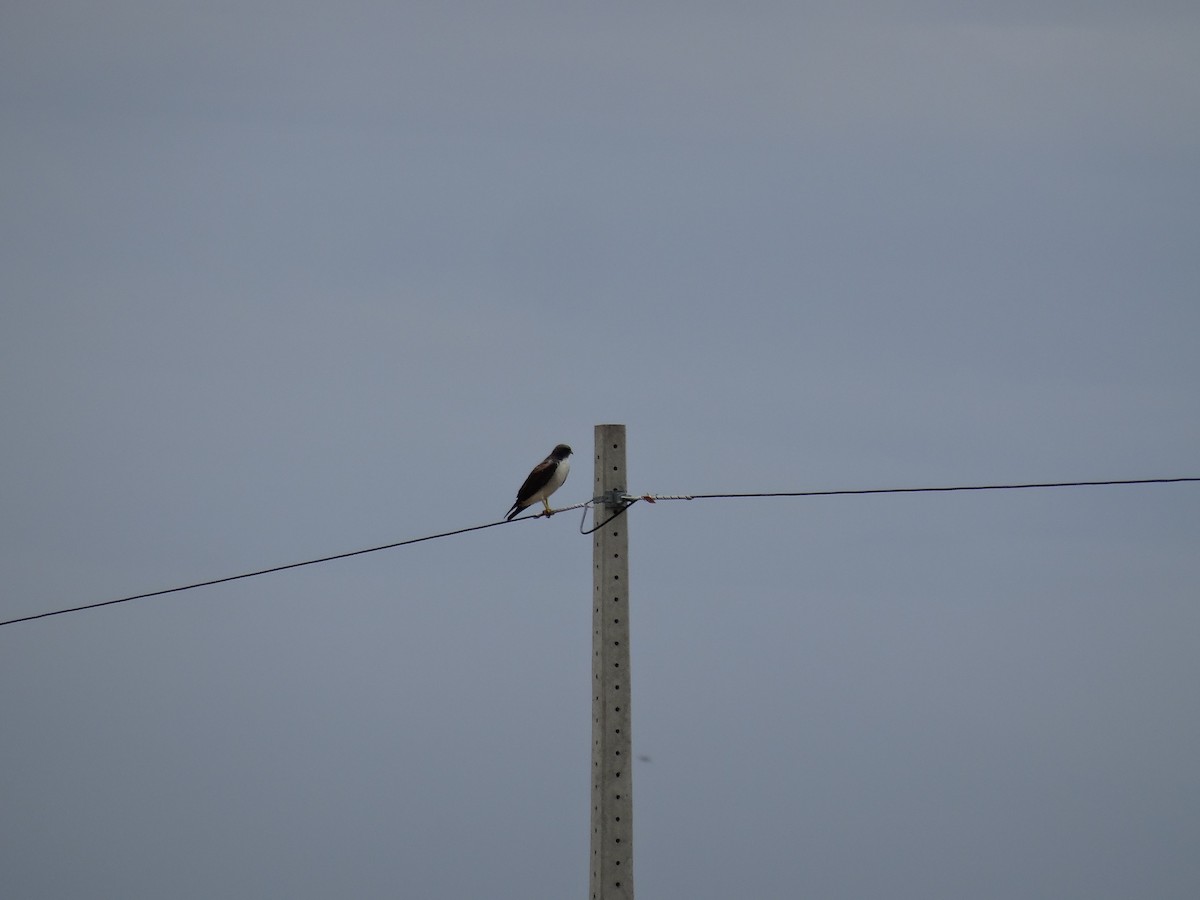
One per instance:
(615, 499)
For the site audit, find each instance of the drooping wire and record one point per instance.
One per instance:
(627, 501)
(295, 565)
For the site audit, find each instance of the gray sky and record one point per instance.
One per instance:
(282, 280)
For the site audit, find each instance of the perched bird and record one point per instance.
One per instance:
(546, 478)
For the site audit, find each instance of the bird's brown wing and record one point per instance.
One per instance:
(537, 479)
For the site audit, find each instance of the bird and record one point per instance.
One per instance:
(546, 478)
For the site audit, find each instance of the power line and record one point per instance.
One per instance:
(629, 500)
(914, 490)
(295, 565)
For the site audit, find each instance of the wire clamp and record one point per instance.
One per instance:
(616, 498)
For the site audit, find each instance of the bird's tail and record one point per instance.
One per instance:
(512, 512)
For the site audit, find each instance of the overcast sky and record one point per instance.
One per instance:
(283, 280)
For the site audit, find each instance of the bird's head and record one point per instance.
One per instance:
(562, 451)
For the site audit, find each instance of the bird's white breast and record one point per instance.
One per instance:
(556, 480)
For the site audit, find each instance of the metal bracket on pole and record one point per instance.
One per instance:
(611, 862)
(615, 498)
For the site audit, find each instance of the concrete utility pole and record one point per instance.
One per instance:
(612, 769)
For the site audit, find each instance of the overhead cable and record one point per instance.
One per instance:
(621, 504)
